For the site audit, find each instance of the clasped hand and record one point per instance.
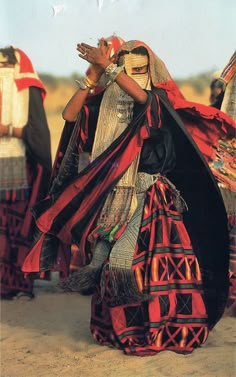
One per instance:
(98, 57)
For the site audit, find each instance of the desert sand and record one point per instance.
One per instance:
(49, 336)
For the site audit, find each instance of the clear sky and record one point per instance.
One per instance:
(191, 36)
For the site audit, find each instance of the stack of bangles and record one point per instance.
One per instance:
(87, 83)
(90, 83)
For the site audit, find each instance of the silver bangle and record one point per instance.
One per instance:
(10, 130)
(112, 71)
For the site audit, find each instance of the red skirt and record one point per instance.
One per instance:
(166, 268)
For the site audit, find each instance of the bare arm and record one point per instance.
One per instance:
(76, 102)
(99, 59)
(131, 88)
(74, 105)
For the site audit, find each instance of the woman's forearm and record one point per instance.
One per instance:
(74, 105)
(131, 88)
(127, 84)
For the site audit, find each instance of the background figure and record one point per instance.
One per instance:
(217, 88)
(25, 164)
(223, 91)
(223, 96)
(157, 271)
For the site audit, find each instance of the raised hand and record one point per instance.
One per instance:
(95, 55)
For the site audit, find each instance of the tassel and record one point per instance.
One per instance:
(179, 202)
(83, 281)
(124, 288)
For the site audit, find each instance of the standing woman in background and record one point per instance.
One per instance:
(25, 165)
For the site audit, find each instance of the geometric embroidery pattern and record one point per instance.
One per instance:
(166, 268)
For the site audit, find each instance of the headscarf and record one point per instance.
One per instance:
(25, 74)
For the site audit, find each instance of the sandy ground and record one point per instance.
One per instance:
(50, 337)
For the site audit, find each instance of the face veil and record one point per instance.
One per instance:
(133, 63)
(157, 70)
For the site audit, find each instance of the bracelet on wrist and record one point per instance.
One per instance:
(112, 71)
(87, 83)
(90, 83)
